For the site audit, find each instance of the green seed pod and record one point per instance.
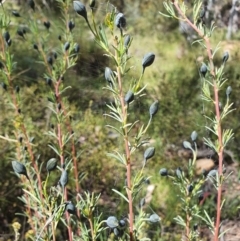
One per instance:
(66, 46)
(16, 13)
(19, 168)
(194, 136)
(31, 4)
(120, 21)
(203, 69)
(51, 164)
(112, 222)
(149, 153)
(71, 25)
(147, 60)
(129, 97)
(163, 172)
(154, 108)
(154, 218)
(70, 208)
(47, 24)
(92, 4)
(80, 9)
(187, 145)
(76, 48)
(228, 91)
(225, 57)
(63, 179)
(6, 36)
(109, 76)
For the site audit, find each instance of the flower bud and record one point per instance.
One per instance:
(4, 86)
(147, 60)
(9, 42)
(120, 21)
(15, 13)
(35, 46)
(19, 168)
(63, 179)
(50, 60)
(112, 222)
(80, 9)
(187, 145)
(108, 75)
(194, 136)
(31, 4)
(47, 24)
(127, 41)
(71, 25)
(6, 36)
(70, 208)
(66, 46)
(154, 218)
(92, 4)
(163, 172)
(149, 153)
(51, 164)
(225, 57)
(178, 172)
(154, 108)
(203, 69)
(228, 91)
(129, 97)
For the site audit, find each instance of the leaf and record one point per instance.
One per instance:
(120, 194)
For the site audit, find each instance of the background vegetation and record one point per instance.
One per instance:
(173, 79)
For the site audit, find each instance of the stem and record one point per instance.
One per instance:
(92, 229)
(217, 112)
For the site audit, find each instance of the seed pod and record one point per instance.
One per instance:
(76, 48)
(80, 9)
(190, 188)
(116, 232)
(6, 36)
(212, 173)
(163, 172)
(55, 55)
(66, 46)
(92, 4)
(50, 60)
(109, 75)
(35, 46)
(202, 13)
(178, 172)
(47, 24)
(71, 25)
(147, 60)
(187, 145)
(51, 164)
(19, 168)
(9, 42)
(203, 69)
(195, 227)
(127, 41)
(17, 89)
(225, 57)
(60, 37)
(20, 32)
(154, 218)
(129, 97)
(122, 223)
(120, 21)
(142, 202)
(228, 91)
(112, 222)
(49, 81)
(70, 208)
(194, 136)
(31, 4)
(154, 108)
(149, 153)
(16, 13)
(4, 86)
(63, 179)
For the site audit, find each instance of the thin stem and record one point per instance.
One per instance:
(217, 112)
